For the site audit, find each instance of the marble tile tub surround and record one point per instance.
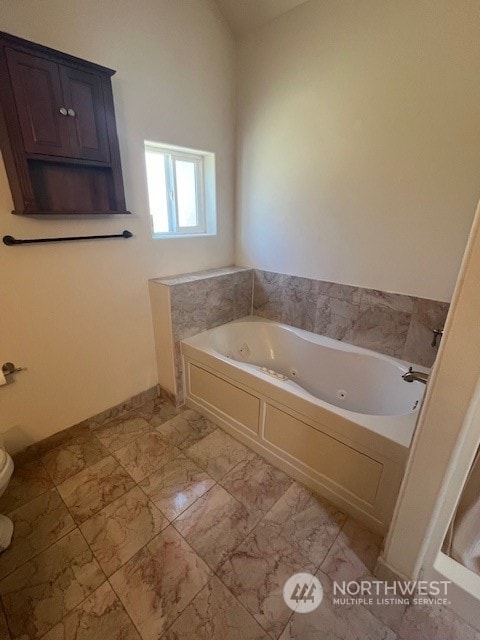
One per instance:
(199, 549)
(209, 300)
(390, 323)
(195, 302)
(184, 305)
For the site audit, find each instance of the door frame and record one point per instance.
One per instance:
(443, 449)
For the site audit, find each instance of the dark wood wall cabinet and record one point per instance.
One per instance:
(57, 132)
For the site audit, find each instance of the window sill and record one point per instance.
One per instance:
(176, 236)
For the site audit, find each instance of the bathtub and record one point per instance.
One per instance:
(336, 417)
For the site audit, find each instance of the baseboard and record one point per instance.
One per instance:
(37, 449)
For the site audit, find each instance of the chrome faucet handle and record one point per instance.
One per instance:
(415, 376)
(437, 333)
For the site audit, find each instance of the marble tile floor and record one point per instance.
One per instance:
(160, 525)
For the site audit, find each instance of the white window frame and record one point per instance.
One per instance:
(204, 187)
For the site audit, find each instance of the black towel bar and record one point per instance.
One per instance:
(10, 240)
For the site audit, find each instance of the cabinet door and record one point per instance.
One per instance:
(38, 98)
(83, 95)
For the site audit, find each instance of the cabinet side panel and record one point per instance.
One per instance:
(115, 162)
(11, 143)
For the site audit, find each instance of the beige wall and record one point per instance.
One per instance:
(78, 315)
(359, 144)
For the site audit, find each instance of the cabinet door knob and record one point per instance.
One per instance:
(71, 113)
(63, 111)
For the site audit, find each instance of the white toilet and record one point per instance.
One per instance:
(6, 525)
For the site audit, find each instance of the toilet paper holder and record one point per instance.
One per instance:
(9, 369)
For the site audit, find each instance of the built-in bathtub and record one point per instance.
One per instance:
(334, 416)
